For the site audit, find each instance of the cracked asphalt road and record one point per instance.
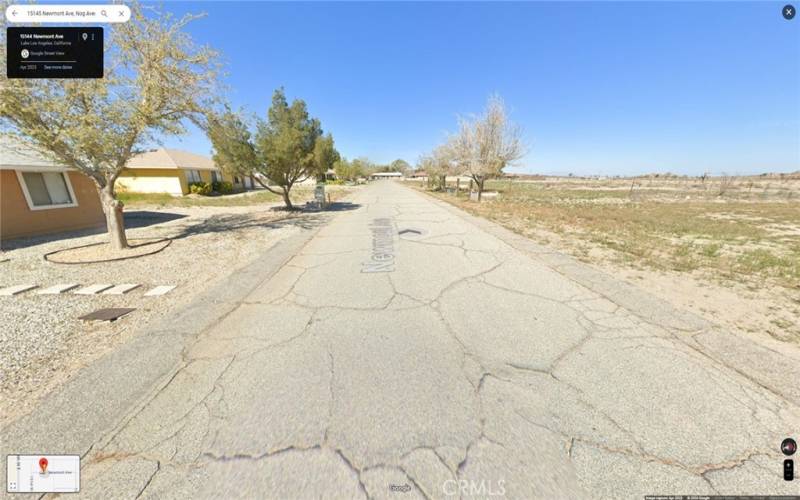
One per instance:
(477, 363)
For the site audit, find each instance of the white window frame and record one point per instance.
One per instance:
(27, 194)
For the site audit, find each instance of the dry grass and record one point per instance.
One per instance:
(742, 233)
(733, 238)
(232, 200)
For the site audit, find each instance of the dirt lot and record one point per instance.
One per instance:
(727, 248)
(42, 343)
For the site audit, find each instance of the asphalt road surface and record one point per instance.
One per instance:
(400, 348)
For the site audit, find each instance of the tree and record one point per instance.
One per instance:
(437, 166)
(155, 78)
(325, 155)
(441, 165)
(285, 144)
(282, 151)
(425, 163)
(400, 165)
(485, 145)
(343, 169)
(230, 135)
(349, 170)
(364, 166)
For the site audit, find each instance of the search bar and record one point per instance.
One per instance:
(112, 13)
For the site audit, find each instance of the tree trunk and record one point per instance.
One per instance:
(458, 185)
(286, 199)
(114, 219)
(480, 189)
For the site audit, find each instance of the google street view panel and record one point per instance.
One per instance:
(446, 250)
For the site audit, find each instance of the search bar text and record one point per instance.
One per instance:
(68, 13)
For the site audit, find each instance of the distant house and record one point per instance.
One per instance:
(39, 196)
(385, 175)
(172, 171)
(419, 174)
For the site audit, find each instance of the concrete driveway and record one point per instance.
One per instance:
(407, 350)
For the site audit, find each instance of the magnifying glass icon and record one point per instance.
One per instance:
(103, 13)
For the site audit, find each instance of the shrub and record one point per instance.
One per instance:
(222, 187)
(203, 188)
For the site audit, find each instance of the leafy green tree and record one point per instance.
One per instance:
(342, 169)
(325, 155)
(364, 167)
(286, 149)
(345, 170)
(285, 145)
(234, 151)
(155, 79)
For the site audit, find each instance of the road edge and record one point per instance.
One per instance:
(88, 407)
(768, 365)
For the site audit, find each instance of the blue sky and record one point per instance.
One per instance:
(599, 88)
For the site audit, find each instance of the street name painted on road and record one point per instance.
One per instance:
(382, 260)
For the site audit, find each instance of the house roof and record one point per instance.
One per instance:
(171, 159)
(16, 155)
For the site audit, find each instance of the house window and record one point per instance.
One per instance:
(44, 190)
(193, 176)
(216, 176)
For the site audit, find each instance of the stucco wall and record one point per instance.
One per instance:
(205, 176)
(17, 219)
(151, 180)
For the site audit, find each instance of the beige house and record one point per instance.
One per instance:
(39, 196)
(171, 171)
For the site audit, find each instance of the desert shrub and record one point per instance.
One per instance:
(711, 250)
(222, 187)
(203, 188)
(726, 183)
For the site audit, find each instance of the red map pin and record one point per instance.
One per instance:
(43, 464)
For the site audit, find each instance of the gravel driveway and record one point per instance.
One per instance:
(42, 341)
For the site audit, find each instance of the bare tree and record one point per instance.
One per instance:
(437, 165)
(155, 78)
(425, 162)
(485, 145)
(726, 182)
